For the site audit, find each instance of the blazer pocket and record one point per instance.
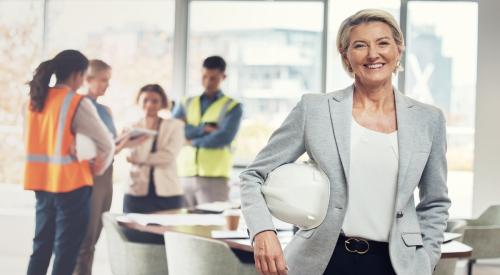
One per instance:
(412, 239)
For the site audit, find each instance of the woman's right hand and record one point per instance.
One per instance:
(131, 143)
(268, 255)
(127, 142)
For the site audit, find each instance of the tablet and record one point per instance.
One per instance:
(85, 147)
(136, 133)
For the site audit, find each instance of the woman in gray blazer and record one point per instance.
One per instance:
(376, 146)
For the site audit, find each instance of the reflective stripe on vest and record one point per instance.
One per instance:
(49, 166)
(50, 159)
(206, 162)
(63, 114)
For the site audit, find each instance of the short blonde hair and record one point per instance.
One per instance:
(96, 66)
(362, 17)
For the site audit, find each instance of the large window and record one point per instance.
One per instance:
(134, 37)
(440, 68)
(274, 54)
(273, 51)
(20, 50)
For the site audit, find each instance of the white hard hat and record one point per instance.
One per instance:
(85, 147)
(298, 193)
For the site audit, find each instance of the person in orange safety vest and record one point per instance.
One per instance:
(62, 183)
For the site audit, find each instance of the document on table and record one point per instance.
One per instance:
(174, 219)
(229, 234)
(455, 247)
(448, 236)
(218, 206)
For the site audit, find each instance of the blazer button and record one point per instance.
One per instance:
(399, 214)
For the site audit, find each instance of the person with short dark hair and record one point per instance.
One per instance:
(212, 121)
(153, 184)
(215, 63)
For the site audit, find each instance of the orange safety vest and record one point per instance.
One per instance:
(49, 165)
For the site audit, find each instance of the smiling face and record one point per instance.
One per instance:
(373, 54)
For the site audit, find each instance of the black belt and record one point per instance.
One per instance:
(362, 246)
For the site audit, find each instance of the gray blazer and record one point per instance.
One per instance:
(320, 126)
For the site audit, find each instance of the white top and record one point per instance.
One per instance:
(372, 183)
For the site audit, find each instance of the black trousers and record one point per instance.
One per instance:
(374, 262)
(151, 204)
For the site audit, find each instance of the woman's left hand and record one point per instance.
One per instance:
(268, 254)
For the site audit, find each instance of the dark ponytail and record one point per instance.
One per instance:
(40, 84)
(63, 66)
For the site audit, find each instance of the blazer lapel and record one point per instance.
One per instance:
(406, 136)
(340, 106)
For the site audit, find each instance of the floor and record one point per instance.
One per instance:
(17, 227)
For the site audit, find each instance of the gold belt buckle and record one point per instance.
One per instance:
(358, 240)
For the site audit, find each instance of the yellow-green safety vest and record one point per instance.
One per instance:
(206, 162)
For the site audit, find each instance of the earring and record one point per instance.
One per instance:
(398, 66)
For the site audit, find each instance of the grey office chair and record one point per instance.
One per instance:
(188, 255)
(129, 258)
(483, 235)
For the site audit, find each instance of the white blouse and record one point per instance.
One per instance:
(372, 183)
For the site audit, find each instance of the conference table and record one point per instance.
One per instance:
(242, 246)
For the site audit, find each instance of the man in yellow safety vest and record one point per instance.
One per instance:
(212, 121)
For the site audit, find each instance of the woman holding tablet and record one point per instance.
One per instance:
(153, 184)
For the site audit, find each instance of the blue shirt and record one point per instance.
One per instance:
(227, 127)
(105, 116)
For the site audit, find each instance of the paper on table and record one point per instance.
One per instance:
(448, 236)
(218, 206)
(455, 247)
(228, 234)
(177, 219)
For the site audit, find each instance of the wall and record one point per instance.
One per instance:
(487, 148)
